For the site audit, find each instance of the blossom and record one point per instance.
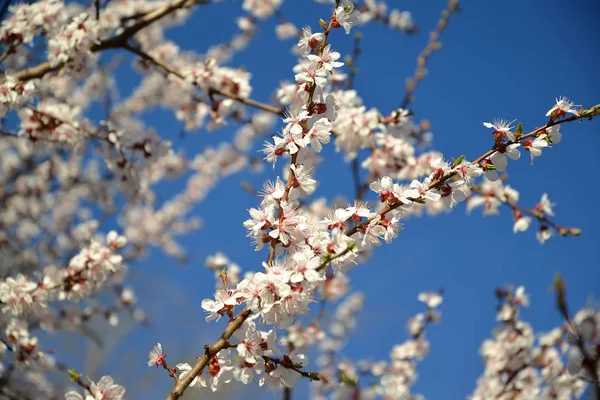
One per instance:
(156, 356)
(312, 73)
(216, 262)
(501, 129)
(499, 158)
(384, 187)
(282, 377)
(105, 389)
(73, 42)
(286, 31)
(302, 179)
(309, 41)
(272, 191)
(392, 228)
(453, 193)
(250, 347)
(115, 241)
(18, 295)
(468, 171)
(432, 299)
(521, 297)
(336, 218)
(327, 59)
(545, 205)
(544, 233)
(305, 268)
(260, 219)
(554, 134)
(372, 232)
(320, 133)
(290, 225)
(521, 224)
(261, 8)
(224, 300)
(185, 369)
(295, 122)
(346, 16)
(561, 108)
(401, 20)
(534, 147)
(422, 190)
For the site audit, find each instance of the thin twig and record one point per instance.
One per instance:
(432, 45)
(543, 219)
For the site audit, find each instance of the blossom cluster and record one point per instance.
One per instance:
(367, 378)
(86, 272)
(520, 364)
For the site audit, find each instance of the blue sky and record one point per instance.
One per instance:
(505, 59)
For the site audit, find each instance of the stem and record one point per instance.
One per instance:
(432, 45)
(210, 352)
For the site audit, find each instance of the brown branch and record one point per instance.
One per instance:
(352, 71)
(352, 60)
(114, 42)
(432, 45)
(313, 376)
(170, 370)
(210, 352)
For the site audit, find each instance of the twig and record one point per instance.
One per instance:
(352, 60)
(543, 219)
(432, 45)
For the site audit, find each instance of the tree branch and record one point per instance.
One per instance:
(117, 41)
(210, 352)
(590, 113)
(432, 45)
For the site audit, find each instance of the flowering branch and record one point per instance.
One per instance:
(522, 139)
(114, 42)
(310, 105)
(212, 91)
(519, 211)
